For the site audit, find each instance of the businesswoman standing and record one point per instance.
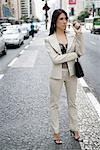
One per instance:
(63, 49)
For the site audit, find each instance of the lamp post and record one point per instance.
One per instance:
(93, 7)
(46, 8)
(61, 4)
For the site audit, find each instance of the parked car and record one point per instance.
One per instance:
(13, 36)
(1, 29)
(5, 25)
(3, 49)
(25, 32)
(28, 26)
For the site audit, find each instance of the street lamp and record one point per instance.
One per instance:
(61, 4)
(46, 8)
(93, 7)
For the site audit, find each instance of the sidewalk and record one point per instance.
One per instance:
(24, 106)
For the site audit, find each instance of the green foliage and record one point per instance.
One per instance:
(24, 18)
(83, 15)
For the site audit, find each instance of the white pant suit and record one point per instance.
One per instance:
(61, 75)
(55, 90)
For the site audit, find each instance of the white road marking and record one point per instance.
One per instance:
(94, 102)
(1, 76)
(22, 52)
(33, 38)
(26, 46)
(83, 83)
(30, 42)
(26, 60)
(93, 43)
(12, 62)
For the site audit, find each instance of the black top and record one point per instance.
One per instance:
(63, 50)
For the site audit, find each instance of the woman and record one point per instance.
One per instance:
(63, 49)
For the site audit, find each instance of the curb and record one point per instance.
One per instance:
(90, 96)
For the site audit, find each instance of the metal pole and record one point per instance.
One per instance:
(0, 9)
(46, 16)
(61, 4)
(93, 8)
(46, 8)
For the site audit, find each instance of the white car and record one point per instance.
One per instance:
(5, 25)
(28, 26)
(13, 36)
(3, 49)
(1, 29)
(25, 32)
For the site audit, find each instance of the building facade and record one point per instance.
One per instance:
(27, 8)
(5, 10)
(72, 7)
(17, 8)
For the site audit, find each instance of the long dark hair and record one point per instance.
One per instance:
(55, 16)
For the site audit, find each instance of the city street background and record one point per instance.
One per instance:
(24, 103)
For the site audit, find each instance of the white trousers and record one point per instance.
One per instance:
(55, 90)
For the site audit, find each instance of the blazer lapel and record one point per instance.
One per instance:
(54, 43)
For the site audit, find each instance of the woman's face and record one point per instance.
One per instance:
(61, 22)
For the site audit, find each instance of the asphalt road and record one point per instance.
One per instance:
(12, 52)
(91, 63)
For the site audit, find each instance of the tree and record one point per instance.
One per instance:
(83, 15)
(24, 18)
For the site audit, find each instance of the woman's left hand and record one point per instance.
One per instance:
(77, 28)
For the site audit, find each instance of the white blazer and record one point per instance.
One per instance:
(75, 49)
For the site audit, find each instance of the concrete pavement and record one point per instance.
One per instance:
(24, 106)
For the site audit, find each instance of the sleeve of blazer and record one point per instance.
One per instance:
(59, 58)
(79, 44)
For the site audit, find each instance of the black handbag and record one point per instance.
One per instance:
(78, 69)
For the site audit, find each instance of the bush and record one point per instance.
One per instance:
(83, 15)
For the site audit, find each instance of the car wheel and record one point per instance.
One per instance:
(4, 52)
(19, 44)
(22, 41)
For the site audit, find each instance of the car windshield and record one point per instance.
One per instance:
(97, 19)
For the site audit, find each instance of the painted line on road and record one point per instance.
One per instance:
(26, 46)
(93, 43)
(30, 56)
(22, 52)
(91, 97)
(12, 62)
(30, 42)
(1, 76)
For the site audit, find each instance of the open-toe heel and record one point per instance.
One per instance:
(76, 138)
(58, 142)
(57, 139)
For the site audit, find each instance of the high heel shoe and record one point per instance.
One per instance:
(74, 136)
(57, 139)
